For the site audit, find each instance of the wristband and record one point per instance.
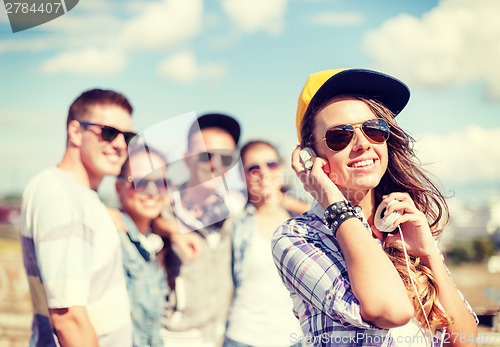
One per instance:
(337, 213)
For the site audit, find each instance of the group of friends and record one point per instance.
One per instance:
(198, 264)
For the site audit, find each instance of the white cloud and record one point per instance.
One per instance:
(4, 17)
(97, 38)
(182, 67)
(337, 19)
(163, 24)
(96, 6)
(256, 15)
(454, 43)
(87, 61)
(68, 32)
(468, 155)
(87, 24)
(28, 45)
(157, 24)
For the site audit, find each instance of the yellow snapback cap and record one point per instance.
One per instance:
(324, 85)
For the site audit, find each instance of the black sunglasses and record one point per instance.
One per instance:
(338, 137)
(225, 159)
(109, 133)
(141, 185)
(256, 168)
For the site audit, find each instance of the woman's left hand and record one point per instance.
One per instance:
(417, 234)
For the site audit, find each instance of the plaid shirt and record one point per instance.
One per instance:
(312, 267)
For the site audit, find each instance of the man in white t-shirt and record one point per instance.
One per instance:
(71, 249)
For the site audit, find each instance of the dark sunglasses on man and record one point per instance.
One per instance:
(109, 133)
(225, 157)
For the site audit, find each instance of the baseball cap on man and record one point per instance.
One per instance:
(217, 120)
(324, 85)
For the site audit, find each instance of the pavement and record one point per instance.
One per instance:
(15, 303)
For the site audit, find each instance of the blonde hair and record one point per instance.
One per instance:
(427, 289)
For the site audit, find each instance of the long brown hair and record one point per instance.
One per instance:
(404, 174)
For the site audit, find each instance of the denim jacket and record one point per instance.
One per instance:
(244, 226)
(146, 286)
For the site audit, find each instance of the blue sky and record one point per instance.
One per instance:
(250, 58)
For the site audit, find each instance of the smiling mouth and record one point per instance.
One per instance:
(150, 203)
(113, 157)
(363, 163)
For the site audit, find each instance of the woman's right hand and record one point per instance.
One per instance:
(316, 181)
(188, 243)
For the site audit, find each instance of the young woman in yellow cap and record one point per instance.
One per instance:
(352, 284)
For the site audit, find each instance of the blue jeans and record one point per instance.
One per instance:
(231, 343)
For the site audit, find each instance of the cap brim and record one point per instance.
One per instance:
(390, 91)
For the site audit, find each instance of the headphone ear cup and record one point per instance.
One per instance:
(384, 223)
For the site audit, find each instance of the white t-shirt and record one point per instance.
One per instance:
(263, 304)
(72, 257)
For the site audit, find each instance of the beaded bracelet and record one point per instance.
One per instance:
(337, 213)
